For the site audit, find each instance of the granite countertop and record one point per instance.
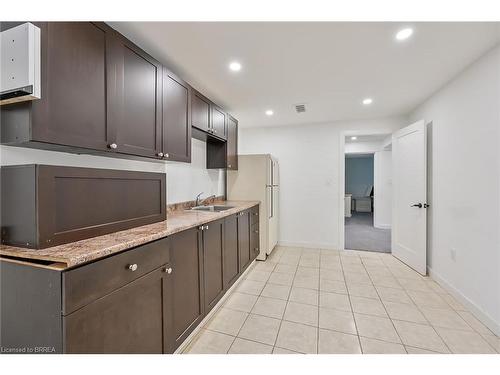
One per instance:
(76, 253)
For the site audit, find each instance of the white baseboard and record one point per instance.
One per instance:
(382, 226)
(478, 312)
(312, 245)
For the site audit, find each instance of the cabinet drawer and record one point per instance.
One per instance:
(90, 282)
(254, 239)
(254, 215)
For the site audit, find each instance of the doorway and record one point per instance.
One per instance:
(367, 215)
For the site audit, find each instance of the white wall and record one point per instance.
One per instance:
(184, 180)
(362, 147)
(382, 200)
(309, 158)
(464, 185)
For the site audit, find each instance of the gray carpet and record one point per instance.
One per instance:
(360, 234)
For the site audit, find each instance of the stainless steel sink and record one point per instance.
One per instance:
(212, 208)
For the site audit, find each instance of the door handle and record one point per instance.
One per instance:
(419, 205)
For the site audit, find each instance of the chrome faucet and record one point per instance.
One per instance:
(197, 200)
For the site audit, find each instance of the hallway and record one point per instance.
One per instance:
(360, 234)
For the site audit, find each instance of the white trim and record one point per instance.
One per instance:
(311, 245)
(477, 311)
(382, 226)
(209, 316)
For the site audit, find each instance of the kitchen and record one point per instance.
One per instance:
(167, 217)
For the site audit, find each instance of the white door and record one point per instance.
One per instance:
(409, 228)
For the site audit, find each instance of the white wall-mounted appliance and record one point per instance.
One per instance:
(257, 178)
(20, 64)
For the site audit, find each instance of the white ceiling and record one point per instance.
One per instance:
(329, 66)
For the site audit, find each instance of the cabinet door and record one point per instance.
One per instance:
(73, 107)
(244, 239)
(231, 258)
(218, 122)
(176, 118)
(200, 112)
(187, 305)
(128, 320)
(213, 256)
(232, 143)
(135, 100)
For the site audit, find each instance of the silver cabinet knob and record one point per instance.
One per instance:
(113, 146)
(160, 154)
(215, 130)
(256, 231)
(168, 270)
(132, 267)
(229, 165)
(206, 226)
(201, 227)
(167, 155)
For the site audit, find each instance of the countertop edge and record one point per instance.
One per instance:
(72, 255)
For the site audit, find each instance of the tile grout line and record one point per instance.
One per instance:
(286, 305)
(385, 309)
(350, 304)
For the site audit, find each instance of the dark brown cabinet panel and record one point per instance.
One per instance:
(44, 205)
(128, 320)
(186, 304)
(218, 122)
(254, 241)
(244, 239)
(73, 107)
(200, 112)
(231, 258)
(111, 273)
(176, 118)
(232, 143)
(213, 262)
(135, 100)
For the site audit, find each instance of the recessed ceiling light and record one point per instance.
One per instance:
(404, 33)
(354, 138)
(367, 101)
(235, 66)
(269, 112)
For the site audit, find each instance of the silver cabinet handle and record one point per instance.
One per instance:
(201, 227)
(160, 154)
(215, 130)
(206, 226)
(229, 165)
(167, 155)
(132, 267)
(256, 231)
(168, 270)
(113, 146)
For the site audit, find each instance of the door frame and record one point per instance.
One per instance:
(341, 179)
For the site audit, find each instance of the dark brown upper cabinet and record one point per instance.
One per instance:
(232, 143)
(73, 110)
(218, 122)
(135, 100)
(213, 262)
(200, 112)
(176, 118)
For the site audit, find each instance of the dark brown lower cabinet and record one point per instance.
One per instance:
(244, 239)
(148, 299)
(213, 262)
(186, 304)
(254, 241)
(128, 320)
(231, 257)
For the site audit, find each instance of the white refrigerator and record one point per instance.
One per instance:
(257, 178)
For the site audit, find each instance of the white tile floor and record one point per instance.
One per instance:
(326, 301)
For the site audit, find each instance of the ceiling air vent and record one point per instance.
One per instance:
(300, 108)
